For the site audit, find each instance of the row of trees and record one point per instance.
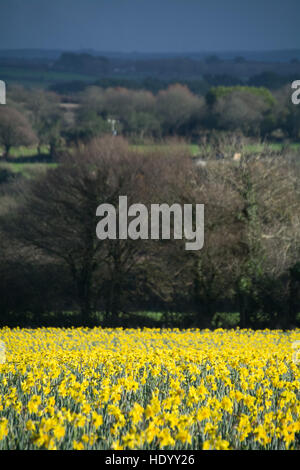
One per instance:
(52, 261)
(166, 68)
(38, 117)
(177, 111)
(31, 117)
(199, 86)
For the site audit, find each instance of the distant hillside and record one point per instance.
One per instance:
(54, 54)
(31, 54)
(45, 68)
(172, 67)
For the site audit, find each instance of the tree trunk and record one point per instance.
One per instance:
(85, 312)
(84, 297)
(52, 151)
(114, 303)
(6, 152)
(290, 318)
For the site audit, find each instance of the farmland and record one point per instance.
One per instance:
(40, 77)
(149, 389)
(22, 158)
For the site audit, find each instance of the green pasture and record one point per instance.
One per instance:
(27, 168)
(29, 76)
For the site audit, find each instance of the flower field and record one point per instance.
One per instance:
(83, 388)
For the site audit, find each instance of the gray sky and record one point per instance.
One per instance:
(150, 25)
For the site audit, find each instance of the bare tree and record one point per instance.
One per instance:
(57, 218)
(177, 106)
(241, 111)
(15, 129)
(46, 118)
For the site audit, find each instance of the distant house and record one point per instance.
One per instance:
(113, 123)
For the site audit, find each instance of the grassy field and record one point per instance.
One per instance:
(194, 149)
(23, 151)
(41, 78)
(27, 169)
(22, 167)
(148, 389)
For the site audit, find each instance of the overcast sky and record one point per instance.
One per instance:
(150, 25)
